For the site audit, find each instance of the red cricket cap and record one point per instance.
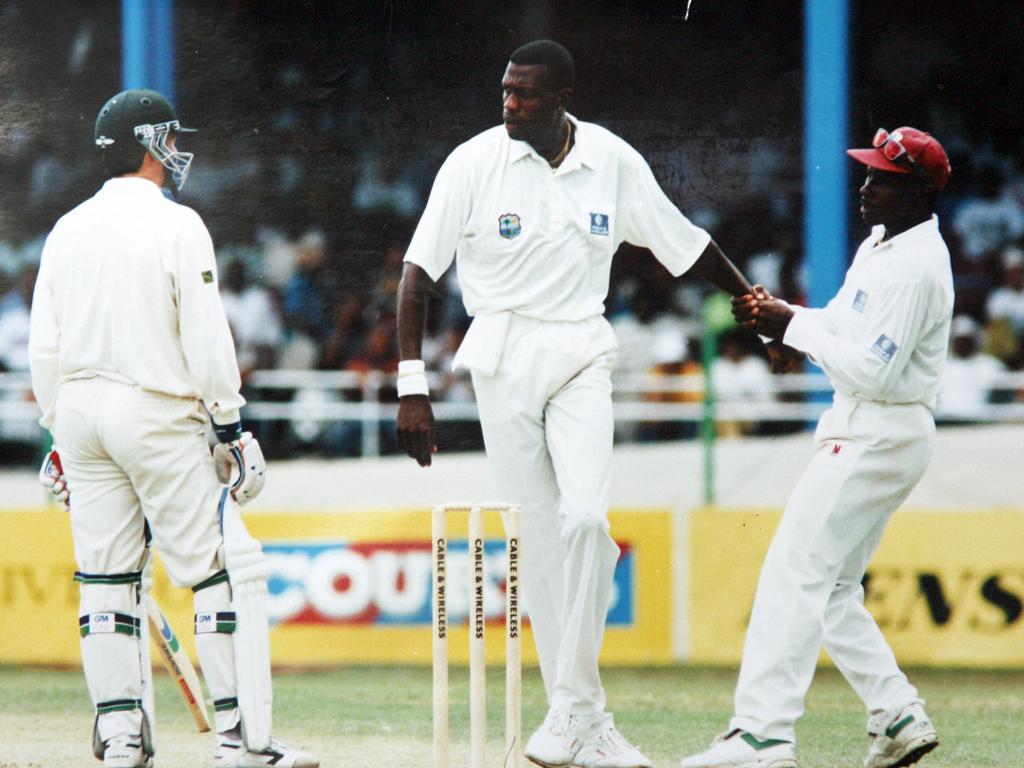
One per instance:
(922, 148)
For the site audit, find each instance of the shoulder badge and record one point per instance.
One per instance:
(860, 301)
(885, 348)
(208, 276)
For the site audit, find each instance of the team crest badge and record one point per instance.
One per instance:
(509, 225)
(599, 223)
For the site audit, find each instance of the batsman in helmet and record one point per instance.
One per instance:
(131, 359)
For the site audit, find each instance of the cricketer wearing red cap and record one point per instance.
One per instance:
(882, 342)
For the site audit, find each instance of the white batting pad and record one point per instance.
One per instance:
(247, 571)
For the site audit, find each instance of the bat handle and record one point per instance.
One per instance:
(55, 458)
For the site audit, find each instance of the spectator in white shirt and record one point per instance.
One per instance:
(1007, 301)
(988, 222)
(739, 377)
(970, 374)
(14, 323)
(253, 316)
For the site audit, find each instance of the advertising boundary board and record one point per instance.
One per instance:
(947, 588)
(327, 602)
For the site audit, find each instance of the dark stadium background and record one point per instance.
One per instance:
(297, 102)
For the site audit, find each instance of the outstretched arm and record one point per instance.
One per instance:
(415, 416)
(715, 267)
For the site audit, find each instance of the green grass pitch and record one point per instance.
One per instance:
(365, 716)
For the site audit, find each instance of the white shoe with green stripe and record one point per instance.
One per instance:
(900, 740)
(232, 753)
(739, 749)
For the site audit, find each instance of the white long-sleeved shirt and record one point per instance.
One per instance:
(539, 242)
(885, 335)
(127, 290)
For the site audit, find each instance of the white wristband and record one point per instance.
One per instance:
(412, 378)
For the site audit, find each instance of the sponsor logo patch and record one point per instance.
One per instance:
(509, 225)
(205, 623)
(885, 348)
(100, 623)
(860, 301)
(208, 276)
(599, 223)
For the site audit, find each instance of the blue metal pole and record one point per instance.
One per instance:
(826, 72)
(133, 44)
(147, 40)
(162, 28)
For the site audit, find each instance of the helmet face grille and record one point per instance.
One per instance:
(154, 138)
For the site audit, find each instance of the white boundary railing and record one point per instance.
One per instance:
(636, 395)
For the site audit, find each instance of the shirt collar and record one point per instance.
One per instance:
(924, 228)
(582, 152)
(134, 185)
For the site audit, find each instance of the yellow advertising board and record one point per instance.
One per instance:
(350, 587)
(946, 588)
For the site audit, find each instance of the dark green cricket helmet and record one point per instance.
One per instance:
(135, 122)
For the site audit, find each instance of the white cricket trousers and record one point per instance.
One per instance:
(547, 423)
(869, 458)
(132, 456)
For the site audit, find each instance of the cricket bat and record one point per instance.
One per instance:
(177, 663)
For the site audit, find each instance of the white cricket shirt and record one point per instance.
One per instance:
(539, 242)
(885, 335)
(127, 290)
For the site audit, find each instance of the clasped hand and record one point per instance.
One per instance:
(761, 312)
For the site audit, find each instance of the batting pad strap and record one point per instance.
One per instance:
(219, 621)
(218, 578)
(118, 705)
(223, 705)
(105, 623)
(132, 577)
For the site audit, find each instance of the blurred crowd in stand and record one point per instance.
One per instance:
(311, 181)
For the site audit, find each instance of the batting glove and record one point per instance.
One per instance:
(240, 466)
(51, 475)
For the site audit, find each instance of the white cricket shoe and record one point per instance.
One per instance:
(605, 747)
(901, 740)
(125, 752)
(739, 749)
(555, 743)
(232, 753)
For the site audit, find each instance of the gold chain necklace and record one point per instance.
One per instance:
(554, 162)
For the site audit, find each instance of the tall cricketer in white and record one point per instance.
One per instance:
(534, 210)
(130, 351)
